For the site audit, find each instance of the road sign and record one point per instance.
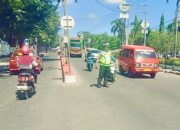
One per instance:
(124, 15)
(144, 31)
(67, 22)
(144, 24)
(124, 7)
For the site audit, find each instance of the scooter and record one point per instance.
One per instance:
(112, 72)
(90, 63)
(25, 87)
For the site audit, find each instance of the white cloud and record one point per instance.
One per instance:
(92, 16)
(114, 1)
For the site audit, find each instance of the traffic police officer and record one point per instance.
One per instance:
(105, 60)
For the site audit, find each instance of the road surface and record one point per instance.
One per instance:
(128, 104)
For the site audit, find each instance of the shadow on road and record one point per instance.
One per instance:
(57, 78)
(49, 60)
(137, 76)
(52, 68)
(4, 72)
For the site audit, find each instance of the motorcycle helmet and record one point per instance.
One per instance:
(25, 50)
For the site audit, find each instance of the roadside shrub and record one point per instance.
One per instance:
(170, 61)
(177, 63)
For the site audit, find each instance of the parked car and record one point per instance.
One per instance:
(135, 60)
(14, 68)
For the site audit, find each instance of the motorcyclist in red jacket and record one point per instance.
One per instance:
(26, 62)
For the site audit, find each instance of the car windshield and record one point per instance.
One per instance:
(145, 54)
(75, 45)
(94, 51)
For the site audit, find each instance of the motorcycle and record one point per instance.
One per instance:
(25, 87)
(112, 72)
(90, 63)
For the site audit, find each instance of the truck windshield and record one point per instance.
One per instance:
(75, 45)
(145, 54)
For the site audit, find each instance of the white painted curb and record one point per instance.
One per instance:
(70, 78)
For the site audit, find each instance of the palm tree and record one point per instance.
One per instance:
(118, 27)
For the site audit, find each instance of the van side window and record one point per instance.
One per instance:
(126, 53)
(120, 53)
(131, 53)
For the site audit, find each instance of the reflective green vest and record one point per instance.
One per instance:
(105, 58)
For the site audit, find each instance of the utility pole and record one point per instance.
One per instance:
(145, 13)
(125, 15)
(176, 29)
(66, 31)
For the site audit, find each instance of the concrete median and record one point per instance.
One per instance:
(67, 72)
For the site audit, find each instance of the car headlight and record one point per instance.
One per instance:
(138, 65)
(156, 65)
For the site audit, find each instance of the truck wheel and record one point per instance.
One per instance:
(153, 75)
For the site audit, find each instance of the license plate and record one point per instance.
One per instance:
(147, 69)
(22, 88)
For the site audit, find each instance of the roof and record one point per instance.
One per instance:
(137, 47)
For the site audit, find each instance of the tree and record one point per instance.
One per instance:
(21, 19)
(136, 30)
(118, 27)
(162, 25)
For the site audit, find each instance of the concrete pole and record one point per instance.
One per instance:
(176, 29)
(66, 34)
(145, 12)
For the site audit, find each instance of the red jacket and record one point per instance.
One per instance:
(25, 60)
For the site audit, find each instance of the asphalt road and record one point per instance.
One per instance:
(128, 104)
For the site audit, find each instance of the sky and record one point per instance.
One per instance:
(96, 16)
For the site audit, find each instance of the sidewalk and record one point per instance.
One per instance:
(169, 71)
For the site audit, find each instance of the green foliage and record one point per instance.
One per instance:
(21, 19)
(162, 25)
(118, 27)
(171, 61)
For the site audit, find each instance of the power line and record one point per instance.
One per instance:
(105, 6)
(86, 18)
(112, 14)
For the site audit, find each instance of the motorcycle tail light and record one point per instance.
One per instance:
(31, 77)
(22, 78)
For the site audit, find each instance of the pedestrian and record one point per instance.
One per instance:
(105, 61)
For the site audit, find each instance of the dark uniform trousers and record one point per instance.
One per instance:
(104, 72)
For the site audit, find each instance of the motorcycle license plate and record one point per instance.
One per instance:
(20, 88)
